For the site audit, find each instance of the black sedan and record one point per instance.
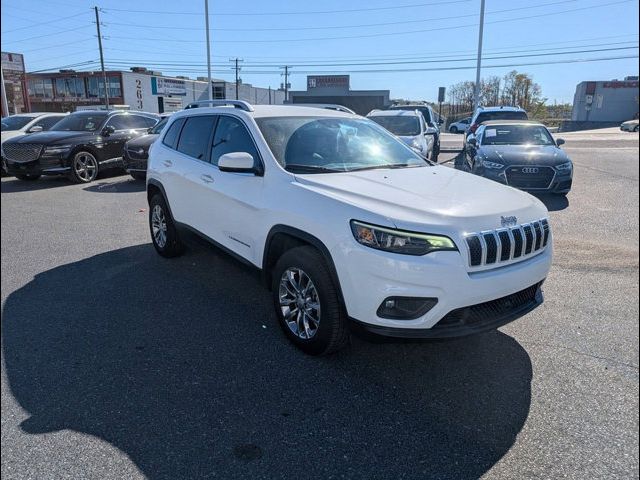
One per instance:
(136, 151)
(522, 154)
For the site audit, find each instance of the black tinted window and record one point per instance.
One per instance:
(501, 115)
(194, 139)
(231, 136)
(138, 121)
(171, 138)
(119, 122)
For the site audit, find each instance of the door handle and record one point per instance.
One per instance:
(167, 163)
(206, 178)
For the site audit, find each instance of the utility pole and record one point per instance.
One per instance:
(476, 93)
(237, 69)
(206, 22)
(286, 83)
(104, 74)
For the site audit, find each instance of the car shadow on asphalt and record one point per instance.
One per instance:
(553, 202)
(14, 185)
(126, 185)
(180, 364)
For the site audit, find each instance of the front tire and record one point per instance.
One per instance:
(637, 127)
(84, 168)
(453, 130)
(164, 234)
(307, 303)
(28, 178)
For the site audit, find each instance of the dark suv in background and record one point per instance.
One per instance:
(430, 119)
(136, 151)
(486, 114)
(79, 146)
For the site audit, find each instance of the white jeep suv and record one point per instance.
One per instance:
(350, 227)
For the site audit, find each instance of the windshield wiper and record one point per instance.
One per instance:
(388, 165)
(299, 168)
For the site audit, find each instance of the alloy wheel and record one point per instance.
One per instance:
(85, 166)
(159, 226)
(299, 303)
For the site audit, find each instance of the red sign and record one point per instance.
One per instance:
(621, 84)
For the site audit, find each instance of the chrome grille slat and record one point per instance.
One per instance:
(533, 237)
(21, 152)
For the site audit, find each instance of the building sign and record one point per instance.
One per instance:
(618, 84)
(13, 62)
(167, 86)
(327, 81)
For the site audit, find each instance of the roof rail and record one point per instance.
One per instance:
(241, 104)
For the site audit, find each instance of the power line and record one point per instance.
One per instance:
(49, 34)
(75, 42)
(403, 22)
(43, 23)
(322, 12)
(373, 35)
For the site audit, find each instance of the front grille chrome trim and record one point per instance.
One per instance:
(538, 240)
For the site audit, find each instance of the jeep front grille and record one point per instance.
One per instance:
(505, 244)
(21, 152)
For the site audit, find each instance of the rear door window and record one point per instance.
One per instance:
(139, 121)
(195, 136)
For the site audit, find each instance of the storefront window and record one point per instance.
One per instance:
(40, 87)
(95, 87)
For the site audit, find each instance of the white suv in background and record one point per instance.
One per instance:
(409, 126)
(350, 227)
(24, 123)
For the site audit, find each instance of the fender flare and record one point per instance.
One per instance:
(306, 238)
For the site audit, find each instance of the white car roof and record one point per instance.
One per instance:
(267, 111)
(393, 113)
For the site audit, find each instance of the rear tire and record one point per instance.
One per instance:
(301, 281)
(28, 178)
(164, 234)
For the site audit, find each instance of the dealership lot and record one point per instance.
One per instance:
(120, 364)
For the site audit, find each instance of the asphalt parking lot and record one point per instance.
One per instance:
(117, 363)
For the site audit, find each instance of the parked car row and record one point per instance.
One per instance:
(79, 145)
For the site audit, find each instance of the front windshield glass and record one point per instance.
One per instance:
(159, 126)
(14, 123)
(401, 126)
(80, 122)
(322, 145)
(516, 135)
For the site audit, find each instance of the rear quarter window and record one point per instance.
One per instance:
(171, 137)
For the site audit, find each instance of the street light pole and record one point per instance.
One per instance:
(476, 93)
(206, 21)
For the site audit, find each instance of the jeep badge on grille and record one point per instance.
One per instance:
(509, 221)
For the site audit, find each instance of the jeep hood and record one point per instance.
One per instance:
(411, 198)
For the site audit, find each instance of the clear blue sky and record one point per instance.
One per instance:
(174, 43)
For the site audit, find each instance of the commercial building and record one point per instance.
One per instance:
(13, 85)
(336, 89)
(599, 103)
(139, 89)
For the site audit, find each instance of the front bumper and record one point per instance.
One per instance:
(133, 163)
(41, 166)
(368, 277)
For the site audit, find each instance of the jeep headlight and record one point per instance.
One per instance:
(57, 149)
(564, 167)
(398, 241)
(492, 165)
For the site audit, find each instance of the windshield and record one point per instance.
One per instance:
(517, 135)
(501, 115)
(14, 123)
(401, 126)
(159, 126)
(322, 145)
(80, 122)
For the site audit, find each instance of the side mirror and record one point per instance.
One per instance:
(560, 141)
(472, 141)
(431, 131)
(108, 130)
(239, 162)
(36, 129)
(440, 122)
